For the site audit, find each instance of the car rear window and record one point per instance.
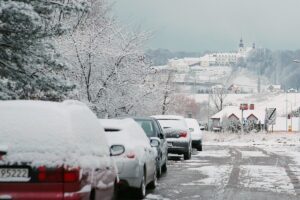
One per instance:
(173, 123)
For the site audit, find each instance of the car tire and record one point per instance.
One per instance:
(158, 172)
(153, 183)
(116, 191)
(188, 154)
(164, 167)
(199, 146)
(141, 191)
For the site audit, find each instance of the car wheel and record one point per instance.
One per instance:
(158, 171)
(164, 167)
(188, 154)
(141, 193)
(199, 146)
(153, 183)
(116, 191)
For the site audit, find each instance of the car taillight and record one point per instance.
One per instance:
(50, 175)
(130, 155)
(71, 175)
(183, 134)
(58, 174)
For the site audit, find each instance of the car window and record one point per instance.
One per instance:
(148, 127)
(173, 123)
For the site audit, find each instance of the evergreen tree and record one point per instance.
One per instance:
(30, 67)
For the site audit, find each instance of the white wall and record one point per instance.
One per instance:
(282, 122)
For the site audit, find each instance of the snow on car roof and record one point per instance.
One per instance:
(167, 117)
(51, 134)
(192, 123)
(129, 131)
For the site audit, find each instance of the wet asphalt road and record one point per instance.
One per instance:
(229, 173)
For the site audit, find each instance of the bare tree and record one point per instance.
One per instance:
(167, 92)
(218, 96)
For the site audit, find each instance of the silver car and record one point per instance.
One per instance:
(137, 165)
(177, 133)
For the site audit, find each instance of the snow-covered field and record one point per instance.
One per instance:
(250, 139)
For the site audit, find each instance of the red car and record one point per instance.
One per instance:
(53, 151)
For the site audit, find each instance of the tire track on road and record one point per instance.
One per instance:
(283, 161)
(236, 162)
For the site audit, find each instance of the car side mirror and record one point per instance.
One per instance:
(154, 142)
(116, 150)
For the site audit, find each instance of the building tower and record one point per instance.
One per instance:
(241, 46)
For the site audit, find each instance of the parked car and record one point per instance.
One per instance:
(196, 133)
(153, 130)
(177, 134)
(137, 165)
(53, 151)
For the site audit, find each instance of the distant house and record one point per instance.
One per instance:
(274, 88)
(234, 114)
(292, 90)
(233, 117)
(234, 88)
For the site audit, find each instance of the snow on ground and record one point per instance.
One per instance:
(265, 139)
(213, 153)
(215, 175)
(249, 154)
(155, 197)
(266, 178)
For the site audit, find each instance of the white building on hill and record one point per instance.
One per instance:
(212, 59)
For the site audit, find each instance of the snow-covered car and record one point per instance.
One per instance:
(153, 130)
(53, 151)
(177, 133)
(137, 165)
(196, 133)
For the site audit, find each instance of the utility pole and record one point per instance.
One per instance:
(208, 110)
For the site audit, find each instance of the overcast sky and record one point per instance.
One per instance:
(199, 25)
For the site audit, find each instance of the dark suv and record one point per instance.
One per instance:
(153, 130)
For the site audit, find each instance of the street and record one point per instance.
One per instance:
(225, 172)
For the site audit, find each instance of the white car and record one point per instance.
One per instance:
(137, 165)
(177, 133)
(196, 133)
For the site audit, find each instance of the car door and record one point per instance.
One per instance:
(150, 154)
(163, 145)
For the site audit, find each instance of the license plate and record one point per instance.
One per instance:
(14, 175)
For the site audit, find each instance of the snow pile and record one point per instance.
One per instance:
(266, 178)
(51, 134)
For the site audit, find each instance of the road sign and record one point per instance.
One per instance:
(271, 116)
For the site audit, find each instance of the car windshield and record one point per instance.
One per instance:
(147, 126)
(173, 123)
